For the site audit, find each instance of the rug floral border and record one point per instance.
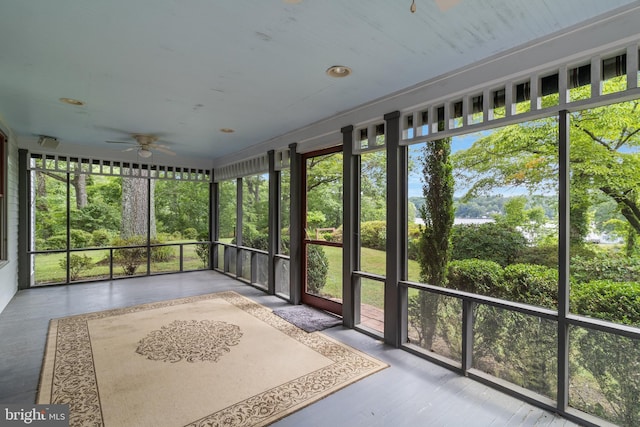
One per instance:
(73, 380)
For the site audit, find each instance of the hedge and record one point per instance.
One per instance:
(608, 300)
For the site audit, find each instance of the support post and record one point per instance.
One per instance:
(467, 335)
(563, 260)
(214, 223)
(351, 228)
(238, 227)
(24, 220)
(395, 297)
(295, 226)
(274, 220)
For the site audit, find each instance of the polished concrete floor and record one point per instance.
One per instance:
(411, 392)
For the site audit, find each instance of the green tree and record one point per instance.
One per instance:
(517, 216)
(434, 244)
(227, 208)
(181, 205)
(324, 188)
(255, 202)
(373, 186)
(604, 160)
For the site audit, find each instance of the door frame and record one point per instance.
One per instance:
(307, 298)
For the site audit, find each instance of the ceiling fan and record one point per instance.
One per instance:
(144, 144)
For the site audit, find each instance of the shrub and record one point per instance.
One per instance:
(317, 268)
(165, 237)
(477, 276)
(176, 235)
(413, 242)
(251, 238)
(546, 255)
(100, 237)
(59, 241)
(161, 253)
(605, 266)
(336, 236)
(608, 300)
(531, 284)
(41, 243)
(373, 235)
(491, 241)
(611, 359)
(285, 243)
(190, 233)
(203, 249)
(77, 263)
(130, 258)
(80, 238)
(317, 264)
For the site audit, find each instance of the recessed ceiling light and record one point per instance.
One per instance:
(71, 101)
(227, 130)
(338, 71)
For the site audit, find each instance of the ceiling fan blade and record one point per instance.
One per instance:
(121, 142)
(130, 149)
(445, 5)
(164, 150)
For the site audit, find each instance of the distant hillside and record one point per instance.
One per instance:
(485, 207)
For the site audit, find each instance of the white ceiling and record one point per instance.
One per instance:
(184, 69)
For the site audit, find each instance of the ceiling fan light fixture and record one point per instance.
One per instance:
(413, 6)
(338, 71)
(144, 153)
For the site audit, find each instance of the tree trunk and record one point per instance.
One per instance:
(41, 192)
(79, 182)
(134, 206)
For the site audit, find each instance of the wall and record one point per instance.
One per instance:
(9, 272)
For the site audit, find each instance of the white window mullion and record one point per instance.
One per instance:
(563, 87)
(596, 76)
(632, 66)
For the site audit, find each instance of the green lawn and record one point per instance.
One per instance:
(372, 261)
(48, 268)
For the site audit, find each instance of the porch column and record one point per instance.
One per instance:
(295, 226)
(395, 297)
(350, 229)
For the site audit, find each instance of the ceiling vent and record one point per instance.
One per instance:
(48, 142)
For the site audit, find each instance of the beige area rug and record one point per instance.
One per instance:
(216, 359)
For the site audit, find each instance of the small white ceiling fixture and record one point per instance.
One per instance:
(144, 153)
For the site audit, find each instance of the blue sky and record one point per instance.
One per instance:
(458, 143)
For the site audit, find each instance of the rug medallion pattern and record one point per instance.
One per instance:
(190, 340)
(74, 377)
